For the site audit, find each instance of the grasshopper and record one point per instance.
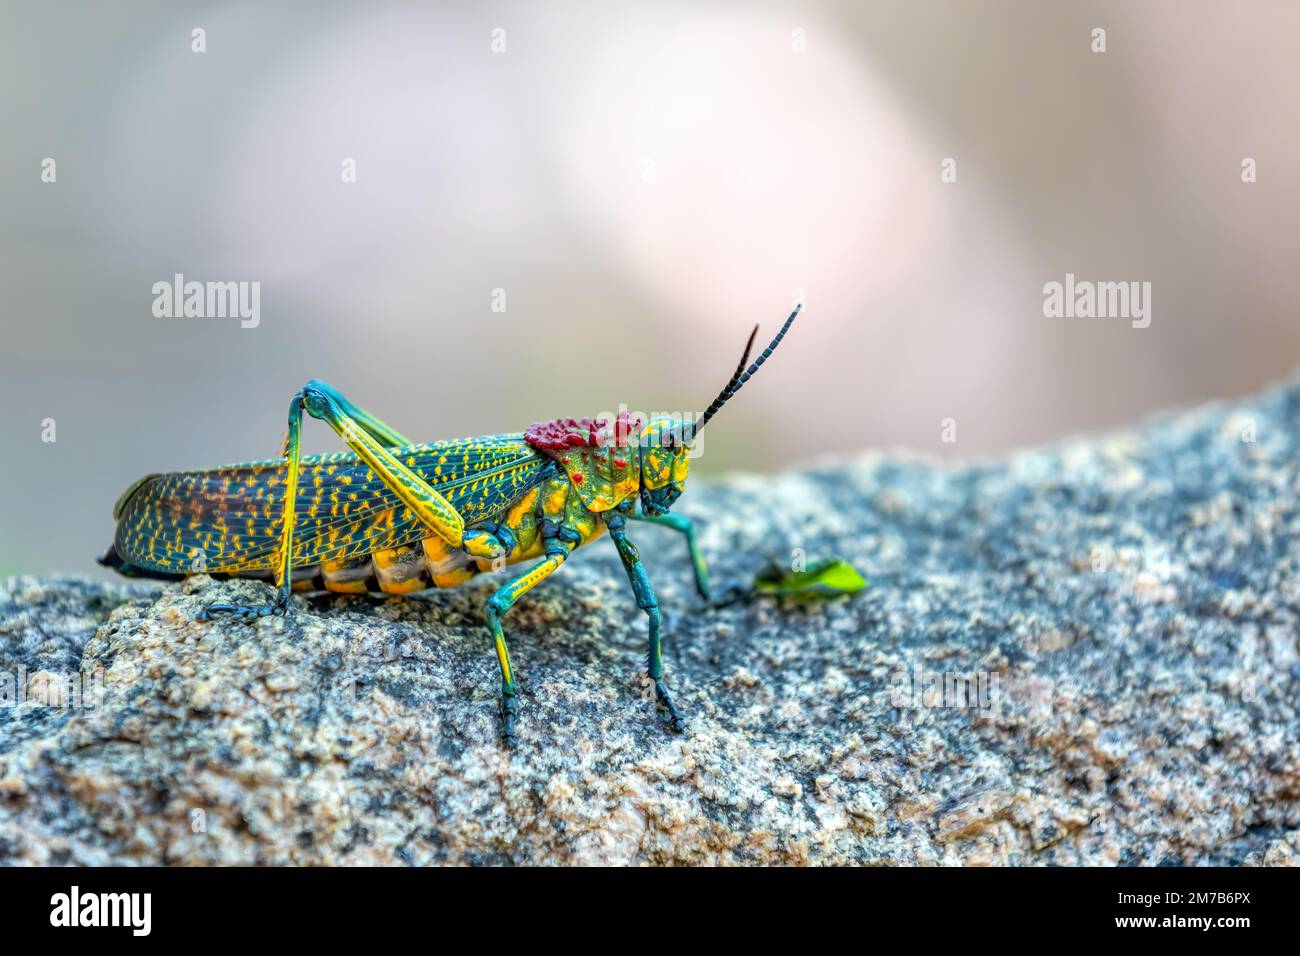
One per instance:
(398, 516)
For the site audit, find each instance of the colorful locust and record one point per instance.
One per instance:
(398, 516)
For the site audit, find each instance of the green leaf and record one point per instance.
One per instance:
(824, 577)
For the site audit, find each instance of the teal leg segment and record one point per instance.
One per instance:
(682, 524)
(648, 602)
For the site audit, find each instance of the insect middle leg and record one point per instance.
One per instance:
(648, 602)
(367, 437)
(497, 606)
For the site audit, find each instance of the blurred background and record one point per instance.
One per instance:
(643, 181)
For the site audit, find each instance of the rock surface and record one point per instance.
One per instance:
(1123, 611)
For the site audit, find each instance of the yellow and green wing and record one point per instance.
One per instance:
(229, 519)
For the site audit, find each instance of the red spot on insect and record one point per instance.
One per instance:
(620, 462)
(577, 477)
(561, 434)
(557, 435)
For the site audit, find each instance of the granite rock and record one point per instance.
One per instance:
(1082, 654)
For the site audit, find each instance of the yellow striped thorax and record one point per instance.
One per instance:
(611, 458)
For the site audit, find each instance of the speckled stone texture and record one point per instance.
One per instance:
(1122, 610)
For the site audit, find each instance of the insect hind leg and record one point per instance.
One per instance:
(244, 612)
(372, 426)
(371, 439)
(284, 584)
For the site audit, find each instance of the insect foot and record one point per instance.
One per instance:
(676, 722)
(509, 713)
(728, 595)
(244, 612)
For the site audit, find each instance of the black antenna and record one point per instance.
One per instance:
(741, 377)
(740, 369)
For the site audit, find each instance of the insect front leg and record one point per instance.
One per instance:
(683, 524)
(716, 597)
(648, 602)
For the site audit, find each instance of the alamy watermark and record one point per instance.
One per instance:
(1084, 299)
(179, 299)
(959, 690)
(626, 427)
(75, 908)
(81, 690)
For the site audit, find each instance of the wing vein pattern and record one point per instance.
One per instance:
(230, 519)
